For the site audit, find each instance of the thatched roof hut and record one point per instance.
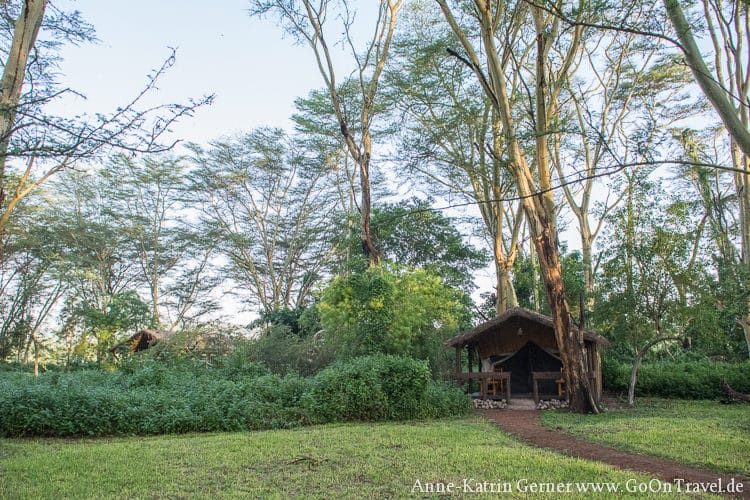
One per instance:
(523, 343)
(140, 341)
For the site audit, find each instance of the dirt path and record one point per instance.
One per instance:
(526, 425)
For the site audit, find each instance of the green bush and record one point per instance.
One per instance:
(284, 352)
(381, 387)
(682, 379)
(149, 396)
(444, 399)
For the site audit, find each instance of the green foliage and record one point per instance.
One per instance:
(107, 323)
(124, 311)
(153, 396)
(411, 233)
(719, 301)
(401, 312)
(302, 321)
(202, 343)
(528, 284)
(283, 352)
(679, 379)
(371, 388)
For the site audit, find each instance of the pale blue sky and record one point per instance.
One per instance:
(254, 71)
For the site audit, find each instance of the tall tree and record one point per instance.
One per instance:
(97, 255)
(652, 271)
(270, 205)
(32, 280)
(501, 27)
(448, 128)
(726, 85)
(305, 20)
(150, 197)
(621, 96)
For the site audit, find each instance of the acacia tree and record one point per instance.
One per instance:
(98, 266)
(270, 207)
(501, 27)
(615, 113)
(316, 125)
(652, 272)
(305, 20)
(34, 146)
(31, 282)
(448, 129)
(726, 85)
(149, 197)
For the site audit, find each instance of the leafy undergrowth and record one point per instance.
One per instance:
(159, 397)
(332, 461)
(707, 434)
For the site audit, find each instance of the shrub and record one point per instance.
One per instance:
(283, 352)
(391, 310)
(683, 379)
(444, 399)
(149, 396)
(381, 387)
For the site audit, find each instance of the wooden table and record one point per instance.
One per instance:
(537, 376)
(485, 376)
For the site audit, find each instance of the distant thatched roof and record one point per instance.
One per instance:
(141, 340)
(498, 322)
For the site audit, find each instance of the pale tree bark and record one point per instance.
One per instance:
(638, 356)
(25, 31)
(723, 101)
(505, 248)
(307, 24)
(453, 136)
(534, 185)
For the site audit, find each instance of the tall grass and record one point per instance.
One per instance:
(156, 397)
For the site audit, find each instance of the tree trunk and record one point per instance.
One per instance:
(743, 190)
(506, 296)
(534, 186)
(368, 247)
(633, 378)
(25, 32)
(581, 395)
(715, 94)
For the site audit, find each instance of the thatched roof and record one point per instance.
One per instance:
(142, 340)
(469, 336)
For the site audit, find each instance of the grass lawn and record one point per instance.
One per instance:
(708, 434)
(333, 461)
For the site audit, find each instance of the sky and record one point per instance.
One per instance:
(254, 71)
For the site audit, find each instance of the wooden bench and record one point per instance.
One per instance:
(485, 376)
(558, 377)
(537, 376)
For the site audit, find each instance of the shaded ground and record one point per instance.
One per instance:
(526, 425)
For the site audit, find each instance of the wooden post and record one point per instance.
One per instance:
(598, 367)
(458, 364)
(471, 368)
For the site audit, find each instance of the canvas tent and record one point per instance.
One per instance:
(522, 342)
